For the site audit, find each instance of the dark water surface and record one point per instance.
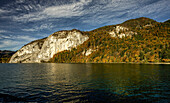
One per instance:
(84, 83)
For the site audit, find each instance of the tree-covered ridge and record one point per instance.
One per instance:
(151, 43)
(5, 55)
(168, 21)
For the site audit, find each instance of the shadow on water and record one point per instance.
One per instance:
(95, 96)
(10, 98)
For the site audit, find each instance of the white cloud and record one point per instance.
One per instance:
(45, 26)
(11, 45)
(18, 37)
(69, 10)
(15, 42)
(32, 29)
(3, 11)
(65, 11)
(5, 36)
(41, 27)
(20, 1)
(25, 38)
(3, 31)
(7, 43)
(118, 11)
(154, 9)
(108, 8)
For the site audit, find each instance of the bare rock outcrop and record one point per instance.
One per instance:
(44, 49)
(120, 31)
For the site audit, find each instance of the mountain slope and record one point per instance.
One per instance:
(168, 21)
(136, 40)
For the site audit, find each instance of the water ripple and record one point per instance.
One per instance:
(91, 83)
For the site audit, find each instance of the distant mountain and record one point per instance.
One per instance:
(5, 55)
(137, 40)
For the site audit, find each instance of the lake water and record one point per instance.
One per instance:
(84, 83)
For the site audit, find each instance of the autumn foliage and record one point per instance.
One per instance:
(151, 44)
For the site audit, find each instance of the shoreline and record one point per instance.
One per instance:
(128, 63)
(96, 63)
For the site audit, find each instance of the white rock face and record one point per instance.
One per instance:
(28, 53)
(88, 52)
(43, 50)
(117, 32)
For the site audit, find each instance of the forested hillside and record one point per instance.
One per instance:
(5, 55)
(138, 40)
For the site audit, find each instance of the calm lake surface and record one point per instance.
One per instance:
(84, 83)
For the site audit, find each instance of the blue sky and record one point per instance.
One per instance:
(22, 21)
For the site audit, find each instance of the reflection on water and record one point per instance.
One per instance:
(84, 82)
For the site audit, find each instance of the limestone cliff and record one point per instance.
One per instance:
(44, 49)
